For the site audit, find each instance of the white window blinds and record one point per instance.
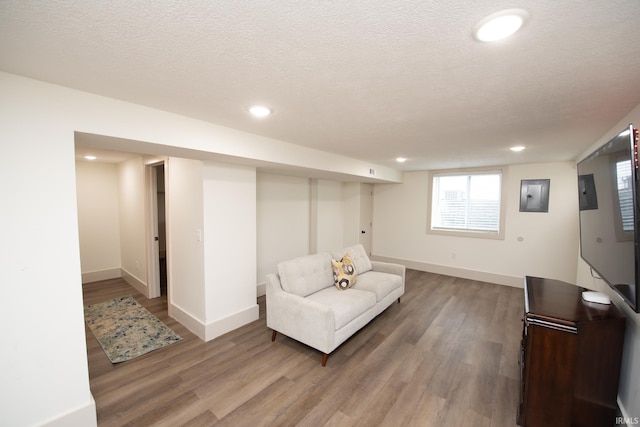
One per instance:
(466, 202)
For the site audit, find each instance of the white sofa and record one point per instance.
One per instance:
(304, 304)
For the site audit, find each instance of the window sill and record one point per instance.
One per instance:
(467, 233)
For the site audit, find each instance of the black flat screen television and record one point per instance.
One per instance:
(609, 213)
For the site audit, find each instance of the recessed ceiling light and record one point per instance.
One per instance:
(259, 111)
(90, 157)
(500, 25)
(517, 148)
(401, 159)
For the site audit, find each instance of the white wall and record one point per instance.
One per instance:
(131, 191)
(98, 220)
(629, 391)
(211, 243)
(282, 221)
(328, 230)
(43, 361)
(185, 253)
(297, 216)
(229, 194)
(351, 212)
(538, 244)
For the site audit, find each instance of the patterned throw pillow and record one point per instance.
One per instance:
(344, 272)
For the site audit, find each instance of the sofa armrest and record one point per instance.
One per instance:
(298, 317)
(389, 267)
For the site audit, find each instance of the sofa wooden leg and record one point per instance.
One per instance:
(398, 300)
(273, 336)
(324, 358)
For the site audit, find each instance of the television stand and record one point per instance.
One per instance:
(570, 357)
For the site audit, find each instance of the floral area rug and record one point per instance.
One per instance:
(125, 329)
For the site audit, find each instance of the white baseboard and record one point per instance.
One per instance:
(482, 276)
(85, 416)
(138, 284)
(216, 328)
(262, 289)
(231, 322)
(96, 276)
(187, 320)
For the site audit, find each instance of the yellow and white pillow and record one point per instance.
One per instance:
(344, 272)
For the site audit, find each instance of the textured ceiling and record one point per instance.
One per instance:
(369, 79)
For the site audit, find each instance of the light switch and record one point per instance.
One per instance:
(199, 235)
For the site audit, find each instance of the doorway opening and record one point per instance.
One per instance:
(162, 228)
(158, 270)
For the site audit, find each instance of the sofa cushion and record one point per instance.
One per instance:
(346, 305)
(382, 284)
(358, 255)
(305, 275)
(344, 272)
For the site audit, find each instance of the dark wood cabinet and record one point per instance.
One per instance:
(570, 357)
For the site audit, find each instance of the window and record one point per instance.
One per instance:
(623, 217)
(625, 194)
(467, 203)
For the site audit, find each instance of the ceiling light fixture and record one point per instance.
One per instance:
(517, 148)
(259, 111)
(500, 25)
(90, 157)
(401, 159)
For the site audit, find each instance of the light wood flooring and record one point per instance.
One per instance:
(445, 356)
